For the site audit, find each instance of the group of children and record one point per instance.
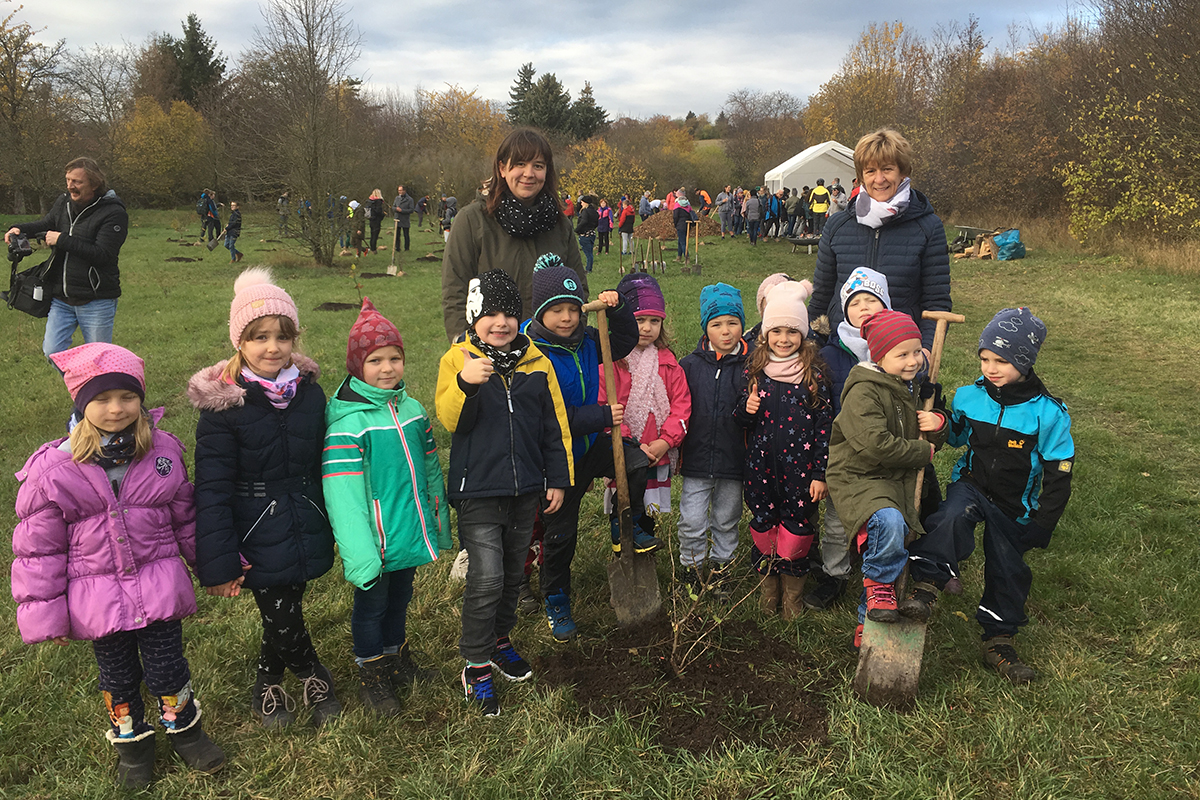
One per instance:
(108, 516)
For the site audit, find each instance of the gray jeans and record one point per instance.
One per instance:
(495, 532)
(708, 508)
(835, 547)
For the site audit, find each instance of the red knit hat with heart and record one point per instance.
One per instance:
(370, 332)
(886, 329)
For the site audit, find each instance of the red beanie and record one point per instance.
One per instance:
(886, 329)
(370, 332)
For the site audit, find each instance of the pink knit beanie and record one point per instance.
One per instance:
(370, 332)
(91, 369)
(787, 306)
(764, 288)
(254, 296)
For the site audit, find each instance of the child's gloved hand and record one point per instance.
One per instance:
(475, 371)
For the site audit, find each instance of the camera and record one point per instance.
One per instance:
(19, 247)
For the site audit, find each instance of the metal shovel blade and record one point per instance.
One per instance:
(889, 663)
(633, 581)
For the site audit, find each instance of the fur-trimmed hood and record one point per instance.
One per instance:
(208, 392)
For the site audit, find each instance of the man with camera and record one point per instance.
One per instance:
(86, 228)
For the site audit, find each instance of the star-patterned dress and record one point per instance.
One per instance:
(787, 449)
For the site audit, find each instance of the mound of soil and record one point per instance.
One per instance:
(338, 307)
(660, 226)
(182, 259)
(742, 689)
(373, 275)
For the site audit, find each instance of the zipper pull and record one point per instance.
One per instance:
(508, 394)
(271, 508)
(718, 374)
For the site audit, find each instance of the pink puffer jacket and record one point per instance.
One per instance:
(88, 564)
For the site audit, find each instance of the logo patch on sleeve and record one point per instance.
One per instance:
(1016, 444)
(163, 465)
(1064, 466)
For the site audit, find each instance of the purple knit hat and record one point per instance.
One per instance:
(643, 294)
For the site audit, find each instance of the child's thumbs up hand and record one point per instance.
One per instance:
(752, 399)
(475, 370)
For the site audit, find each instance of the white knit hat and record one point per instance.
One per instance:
(787, 306)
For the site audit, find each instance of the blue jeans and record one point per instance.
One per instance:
(587, 242)
(752, 227)
(231, 244)
(94, 319)
(495, 532)
(681, 235)
(884, 556)
(380, 614)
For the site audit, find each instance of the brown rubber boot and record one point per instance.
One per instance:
(793, 592)
(1000, 655)
(768, 594)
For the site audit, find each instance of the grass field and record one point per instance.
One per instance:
(1115, 606)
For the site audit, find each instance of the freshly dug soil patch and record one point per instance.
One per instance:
(337, 307)
(742, 689)
(374, 275)
(182, 259)
(660, 226)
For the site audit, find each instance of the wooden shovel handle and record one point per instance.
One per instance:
(944, 318)
(610, 390)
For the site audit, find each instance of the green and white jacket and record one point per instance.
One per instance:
(383, 484)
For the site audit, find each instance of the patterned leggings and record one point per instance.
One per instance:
(285, 641)
(153, 654)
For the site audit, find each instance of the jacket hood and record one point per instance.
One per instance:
(918, 206)
(867, 372)
(208, 392)
(354, 396)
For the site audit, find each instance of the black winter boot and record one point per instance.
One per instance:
(270, 703)
(135, 760)
(319, 695)
(196, 749)
(402, 670)
(375, 688)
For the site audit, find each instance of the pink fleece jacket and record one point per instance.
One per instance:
(674, 427)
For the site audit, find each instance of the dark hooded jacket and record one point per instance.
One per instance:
(258, 481)
(84, 265)
(715, 445)
(910, 251)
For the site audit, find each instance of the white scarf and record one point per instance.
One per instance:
(874, 214)
(854, 341)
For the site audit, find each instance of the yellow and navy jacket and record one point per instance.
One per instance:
(508, 437)
(1019, 448)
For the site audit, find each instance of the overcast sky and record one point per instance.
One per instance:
(642, 56)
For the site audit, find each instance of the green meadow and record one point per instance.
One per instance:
(1115, 608)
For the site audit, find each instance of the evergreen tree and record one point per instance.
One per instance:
(547, 105)
(587, 118)
(199, 66)
(517, 95)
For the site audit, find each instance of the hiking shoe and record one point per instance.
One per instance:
(881, 601)
(920, 602)
(642, 542)
(825, 594)
(1000, 655)
(479, 689)
(270, 703)
(402, 670)
(558, 617)
(506, 659)
(375, 688)
(528, 601)
(319, 696)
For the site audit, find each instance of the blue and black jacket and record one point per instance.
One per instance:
(577, 368)
(715, 445)
(1019, 448)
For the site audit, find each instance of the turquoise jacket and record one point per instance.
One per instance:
(383, 484)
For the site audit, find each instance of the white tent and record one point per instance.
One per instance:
(827, 160)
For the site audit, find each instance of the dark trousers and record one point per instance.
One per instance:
(212, 228)
(752, 227)
(153, 654)
(950, 538)
(819, 219)
(378, 622)
(602, 241)
(375, 223)
(401, 232)
(495, 532)
(562, 527)
(285, 641)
